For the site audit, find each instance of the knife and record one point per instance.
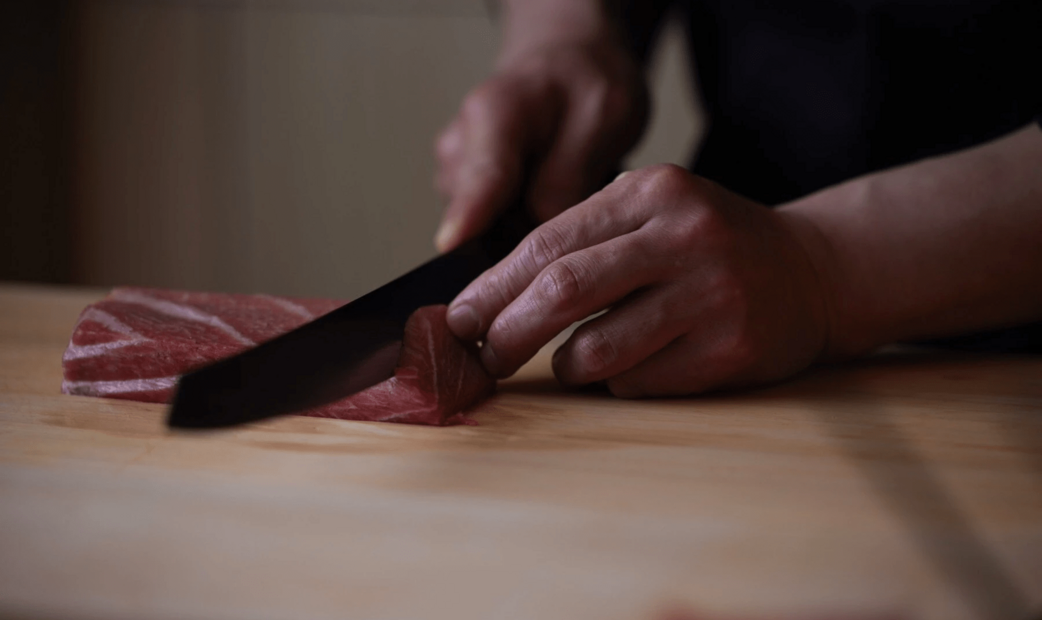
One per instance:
(340, 353)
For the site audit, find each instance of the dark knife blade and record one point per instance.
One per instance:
(341, 353)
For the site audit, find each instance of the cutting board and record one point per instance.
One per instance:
(908, 485)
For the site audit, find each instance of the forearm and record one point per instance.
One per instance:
(940, 247)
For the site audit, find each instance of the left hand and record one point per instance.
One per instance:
(704, 290)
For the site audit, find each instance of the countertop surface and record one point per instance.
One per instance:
(907, 485)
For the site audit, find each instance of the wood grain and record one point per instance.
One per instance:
(908, 485)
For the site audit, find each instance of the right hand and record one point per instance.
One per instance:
(564, 113)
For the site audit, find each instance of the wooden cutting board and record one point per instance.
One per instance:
(905, 486)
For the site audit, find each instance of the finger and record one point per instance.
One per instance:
(604, 216)
(478, 192)
(691, 364)
(447, 150)
(622, 338)
(498, 125)
(569, 289)
(443, 182)
(450, 142)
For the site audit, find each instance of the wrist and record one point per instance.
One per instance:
(845, 335)
(539, 24)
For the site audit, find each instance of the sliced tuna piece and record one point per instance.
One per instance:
(135, 343)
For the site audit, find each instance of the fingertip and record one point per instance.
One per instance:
(448, 235)
(562, 368)
(491, 361)
(464, 321)
(556, 365)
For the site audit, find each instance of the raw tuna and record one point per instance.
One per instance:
(136, 342)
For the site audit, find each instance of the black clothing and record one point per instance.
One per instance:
(805, 94)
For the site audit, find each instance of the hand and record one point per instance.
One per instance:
(568, 111)
(704, 289)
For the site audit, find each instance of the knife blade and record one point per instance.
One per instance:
(340, 353)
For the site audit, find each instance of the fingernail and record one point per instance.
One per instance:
(557, 360)
(620, 175)
(445, 238)
(464, 322)
(556, 365)
(489, 359)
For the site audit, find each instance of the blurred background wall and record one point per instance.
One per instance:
(35, 141)
(282, 146)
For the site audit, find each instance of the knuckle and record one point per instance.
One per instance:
(697, 225)
(497, 291)
(564, 282)
(543, 247)
(447, 142)
(667, 180)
